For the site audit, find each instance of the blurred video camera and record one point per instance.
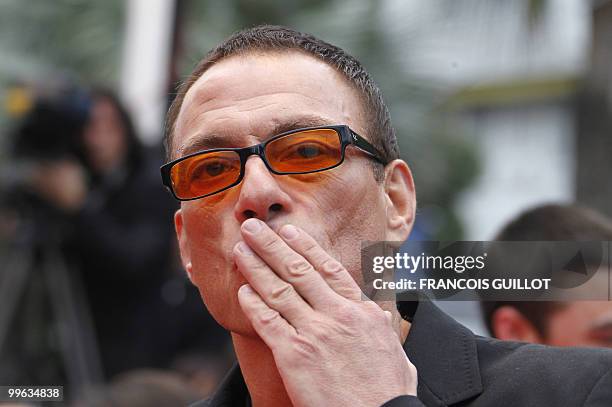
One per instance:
(43, 144)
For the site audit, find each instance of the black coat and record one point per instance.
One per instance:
(458, 368)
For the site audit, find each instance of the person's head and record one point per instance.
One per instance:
(256, 84)
(109, 139)
(47, 132)
(578, 323)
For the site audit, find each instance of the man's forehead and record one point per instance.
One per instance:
(276, 92)
(240, 77)
(288, 63)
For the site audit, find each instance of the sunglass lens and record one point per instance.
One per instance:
(305, 151)
(205, 174)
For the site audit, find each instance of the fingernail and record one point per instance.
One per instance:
(252, 225)
(246, 289)
(244, 248)
(289, 231)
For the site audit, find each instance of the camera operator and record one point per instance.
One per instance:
(44, 320)
(113, 221)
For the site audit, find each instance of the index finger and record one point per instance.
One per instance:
(288, 265)
(332, 271)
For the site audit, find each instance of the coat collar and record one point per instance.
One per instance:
(232, 392)
(443, 351)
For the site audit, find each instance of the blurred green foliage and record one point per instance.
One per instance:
(41, 37)
(49, 43)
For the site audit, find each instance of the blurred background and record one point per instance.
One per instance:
(499, 106)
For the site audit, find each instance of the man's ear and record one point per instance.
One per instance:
(182, 241)
(509, 324)
(401, 200)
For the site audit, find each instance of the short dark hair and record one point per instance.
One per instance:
(547, 223)
(275, 38)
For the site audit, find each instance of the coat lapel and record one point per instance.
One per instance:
(444, 353)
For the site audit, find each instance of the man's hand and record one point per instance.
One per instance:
(332, 347)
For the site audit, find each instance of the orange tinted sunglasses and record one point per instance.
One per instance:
(299, 151)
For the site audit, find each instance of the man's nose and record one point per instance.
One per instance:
(260, 194)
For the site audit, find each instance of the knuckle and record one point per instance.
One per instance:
(377, 314)
(381, 318)
(268, 317)
(282, 293)
(255, 268)
(322, 331)
(330, 266)
(346, 314)
(298, 267)
(310, 247)
(270, 244)
(373, 307)
(389, 317)
(303, 349)
(412, 370)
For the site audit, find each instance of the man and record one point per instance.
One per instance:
(578, 323)
(282, 151)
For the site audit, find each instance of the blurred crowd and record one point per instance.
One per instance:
(92, 292)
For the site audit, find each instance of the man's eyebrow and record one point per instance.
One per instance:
(209, 141)
(203, 143)
(298, 123)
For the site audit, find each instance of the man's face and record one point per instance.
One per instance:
(581, 323)
(242, 101)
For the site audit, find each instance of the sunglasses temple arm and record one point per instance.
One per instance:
(366, 147)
